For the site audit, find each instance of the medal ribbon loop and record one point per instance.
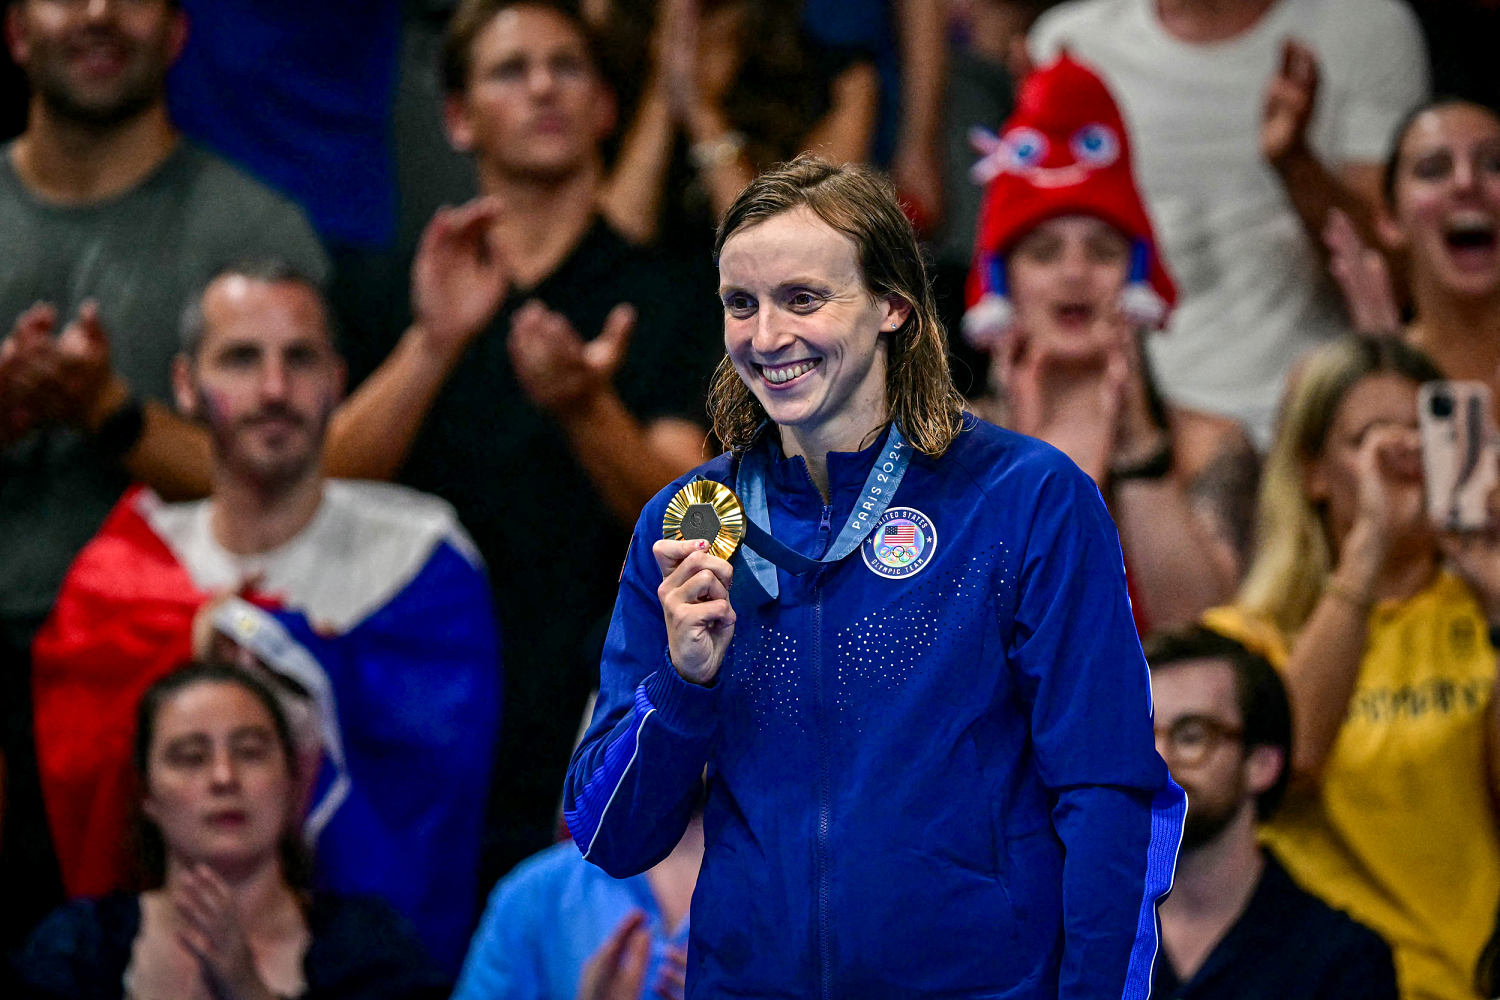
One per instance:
(763, 553)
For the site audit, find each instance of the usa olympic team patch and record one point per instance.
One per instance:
(901, 544)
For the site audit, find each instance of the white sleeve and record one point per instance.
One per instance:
(1387, 76)
(1051, 32)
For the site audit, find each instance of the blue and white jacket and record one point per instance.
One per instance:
(936, 781)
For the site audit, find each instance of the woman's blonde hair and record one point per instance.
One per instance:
(1294, 554)
(861, 204)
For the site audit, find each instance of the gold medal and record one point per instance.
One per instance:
(707, 510)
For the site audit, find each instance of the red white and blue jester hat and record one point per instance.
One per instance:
(1063, 152)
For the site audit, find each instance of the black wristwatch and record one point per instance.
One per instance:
(121, 430)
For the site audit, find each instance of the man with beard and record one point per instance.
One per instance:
(367, 598)
(99, 200)
(113, 221)
(112, 224)
(1236, 927)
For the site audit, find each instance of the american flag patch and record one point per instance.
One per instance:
(900, 533)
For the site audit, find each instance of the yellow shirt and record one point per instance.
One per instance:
(1402, 834)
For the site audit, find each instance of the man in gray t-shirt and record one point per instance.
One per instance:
(101, 200)
(141, 256)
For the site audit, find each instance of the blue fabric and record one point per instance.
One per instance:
(299, 94)
(546, 918)
(418, 690)
(943, 784)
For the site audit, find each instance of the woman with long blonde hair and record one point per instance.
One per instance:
(1388, 657)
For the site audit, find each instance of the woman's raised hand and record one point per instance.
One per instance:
(1475, 556)
(1388, 466)
(1363, 278)
(694, 595)
(1081, 417)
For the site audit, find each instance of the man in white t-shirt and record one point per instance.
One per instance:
(1249, 120)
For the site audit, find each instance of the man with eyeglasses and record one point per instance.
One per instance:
(1236, 927)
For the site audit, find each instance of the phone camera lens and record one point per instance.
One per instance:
(1441, 405)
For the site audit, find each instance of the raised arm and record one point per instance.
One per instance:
(1105, 425)
(1324, 661)
(1388, 80)
(632, 195)
(846, 131)
(458, 282)
(635, 776)
(917, 166)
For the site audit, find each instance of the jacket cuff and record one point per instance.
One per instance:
(689, 709)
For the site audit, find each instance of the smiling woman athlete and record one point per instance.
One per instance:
(917, 691)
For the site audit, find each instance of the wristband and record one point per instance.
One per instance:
(1157, 465)
(121, 431)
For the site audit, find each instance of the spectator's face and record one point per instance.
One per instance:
(1376, 402)
(218, 786)
(1198, 734)
(265, 380)
(1447, 199)
(96, 62)
(535, 106)
(801, 328)
(1066, 276)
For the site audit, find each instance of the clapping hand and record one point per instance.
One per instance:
(88, 388)
(617, 971)
(1082, 419)
(209, 926)
(557, 370)
(1362, 276)
(458, 278)
(68, 378)
(671, 981)
(27, 358)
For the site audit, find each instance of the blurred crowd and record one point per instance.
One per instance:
(343, 344)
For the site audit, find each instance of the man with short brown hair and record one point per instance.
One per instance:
(1236, 927)
(583, 397)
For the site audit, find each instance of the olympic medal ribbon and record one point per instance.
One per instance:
(762, 553)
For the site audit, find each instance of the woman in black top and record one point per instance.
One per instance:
(226, 916)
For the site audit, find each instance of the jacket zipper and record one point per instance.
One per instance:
(825, 958)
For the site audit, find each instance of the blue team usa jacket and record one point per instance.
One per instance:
(930, 765)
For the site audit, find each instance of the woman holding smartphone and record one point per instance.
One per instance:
(1389, 658)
